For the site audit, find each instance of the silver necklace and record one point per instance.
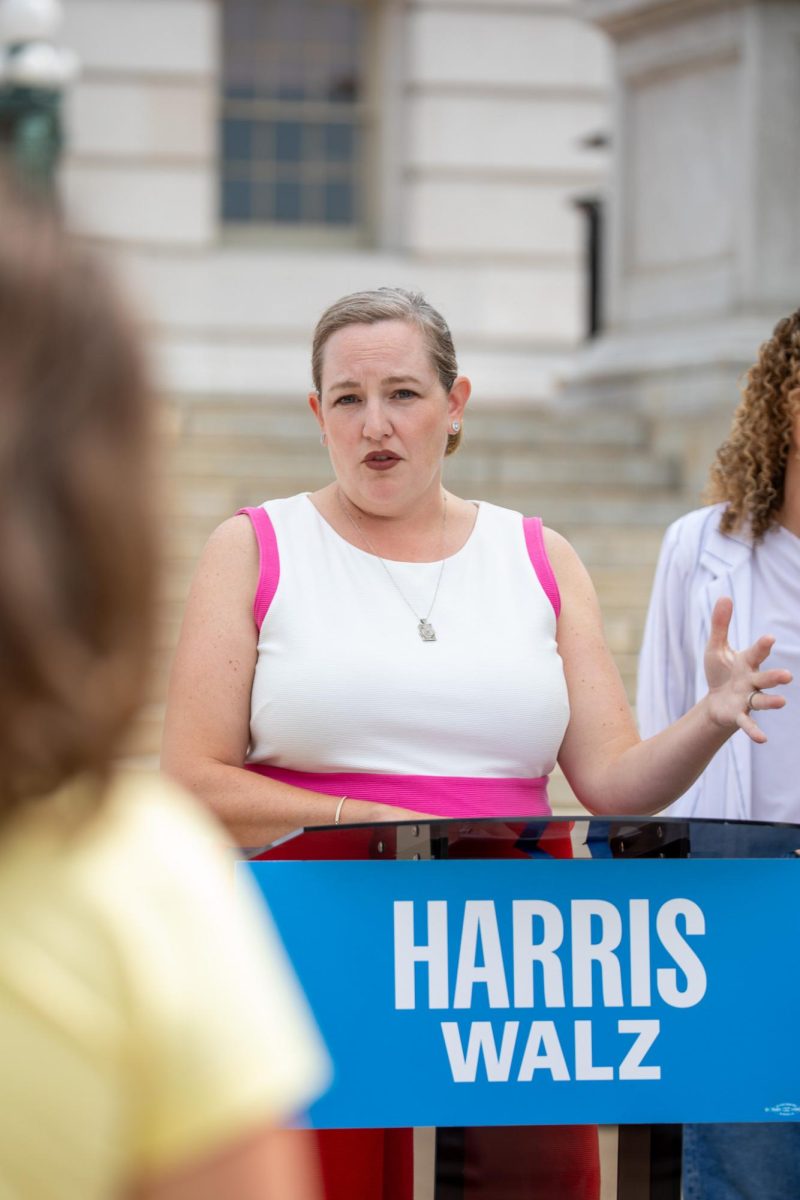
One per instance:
(424, 627)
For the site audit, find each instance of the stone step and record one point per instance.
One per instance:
(584, 500)
(184, 537)
(620, 584)
(595, 511)
(250, 473)
(547, 426)
(485, 426)
(560, 471)
(621, 545)
(306, 469)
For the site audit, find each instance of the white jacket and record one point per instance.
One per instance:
(697, 565)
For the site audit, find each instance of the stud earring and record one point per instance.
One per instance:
(456, 426)
(323, 438)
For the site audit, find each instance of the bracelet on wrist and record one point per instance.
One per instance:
(339, 806)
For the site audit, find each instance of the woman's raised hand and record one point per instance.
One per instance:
(736, 682)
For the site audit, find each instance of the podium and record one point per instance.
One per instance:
(635, 974)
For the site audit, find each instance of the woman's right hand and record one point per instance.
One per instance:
(735, 678)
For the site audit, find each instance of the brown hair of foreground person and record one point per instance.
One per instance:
(77, 542)
(150, 993)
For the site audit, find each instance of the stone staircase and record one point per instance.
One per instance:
(592, 476)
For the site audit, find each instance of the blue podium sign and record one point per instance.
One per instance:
(511, 992)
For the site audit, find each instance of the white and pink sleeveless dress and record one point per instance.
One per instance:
(348, 700)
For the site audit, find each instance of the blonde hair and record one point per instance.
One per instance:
(390, 304)
(749, 471)
(77, 536)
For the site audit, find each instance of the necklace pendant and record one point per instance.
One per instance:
(426, 630)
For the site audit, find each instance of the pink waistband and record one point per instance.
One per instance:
(439, 795)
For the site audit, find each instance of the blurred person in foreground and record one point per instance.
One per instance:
(152, 1038)
(745, 545)
(383, 647)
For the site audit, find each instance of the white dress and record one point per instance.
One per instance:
(347, 698)
(697, 565)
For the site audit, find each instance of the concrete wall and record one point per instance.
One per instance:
(704, 247)
(481, 111)
(141, 164)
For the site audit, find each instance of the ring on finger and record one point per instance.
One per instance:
(749, 703)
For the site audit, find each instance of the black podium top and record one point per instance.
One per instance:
(553, 837)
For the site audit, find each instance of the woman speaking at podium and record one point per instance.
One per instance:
(383, 648)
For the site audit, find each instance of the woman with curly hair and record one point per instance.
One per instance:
(746, 545)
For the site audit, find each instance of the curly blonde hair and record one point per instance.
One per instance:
(749, 471)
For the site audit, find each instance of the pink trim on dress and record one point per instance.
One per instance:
(269, 568)
(534, 540)
(439, 795)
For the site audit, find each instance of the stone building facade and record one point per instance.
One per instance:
(474, 123)
(248, 161)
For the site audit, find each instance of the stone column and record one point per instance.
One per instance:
(703, 249)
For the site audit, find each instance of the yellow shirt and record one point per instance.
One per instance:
(146, 1011)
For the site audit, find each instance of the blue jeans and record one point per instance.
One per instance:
(741, 1162)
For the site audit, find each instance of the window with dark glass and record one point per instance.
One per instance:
(293, 113)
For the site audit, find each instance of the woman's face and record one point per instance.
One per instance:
(386, 415)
